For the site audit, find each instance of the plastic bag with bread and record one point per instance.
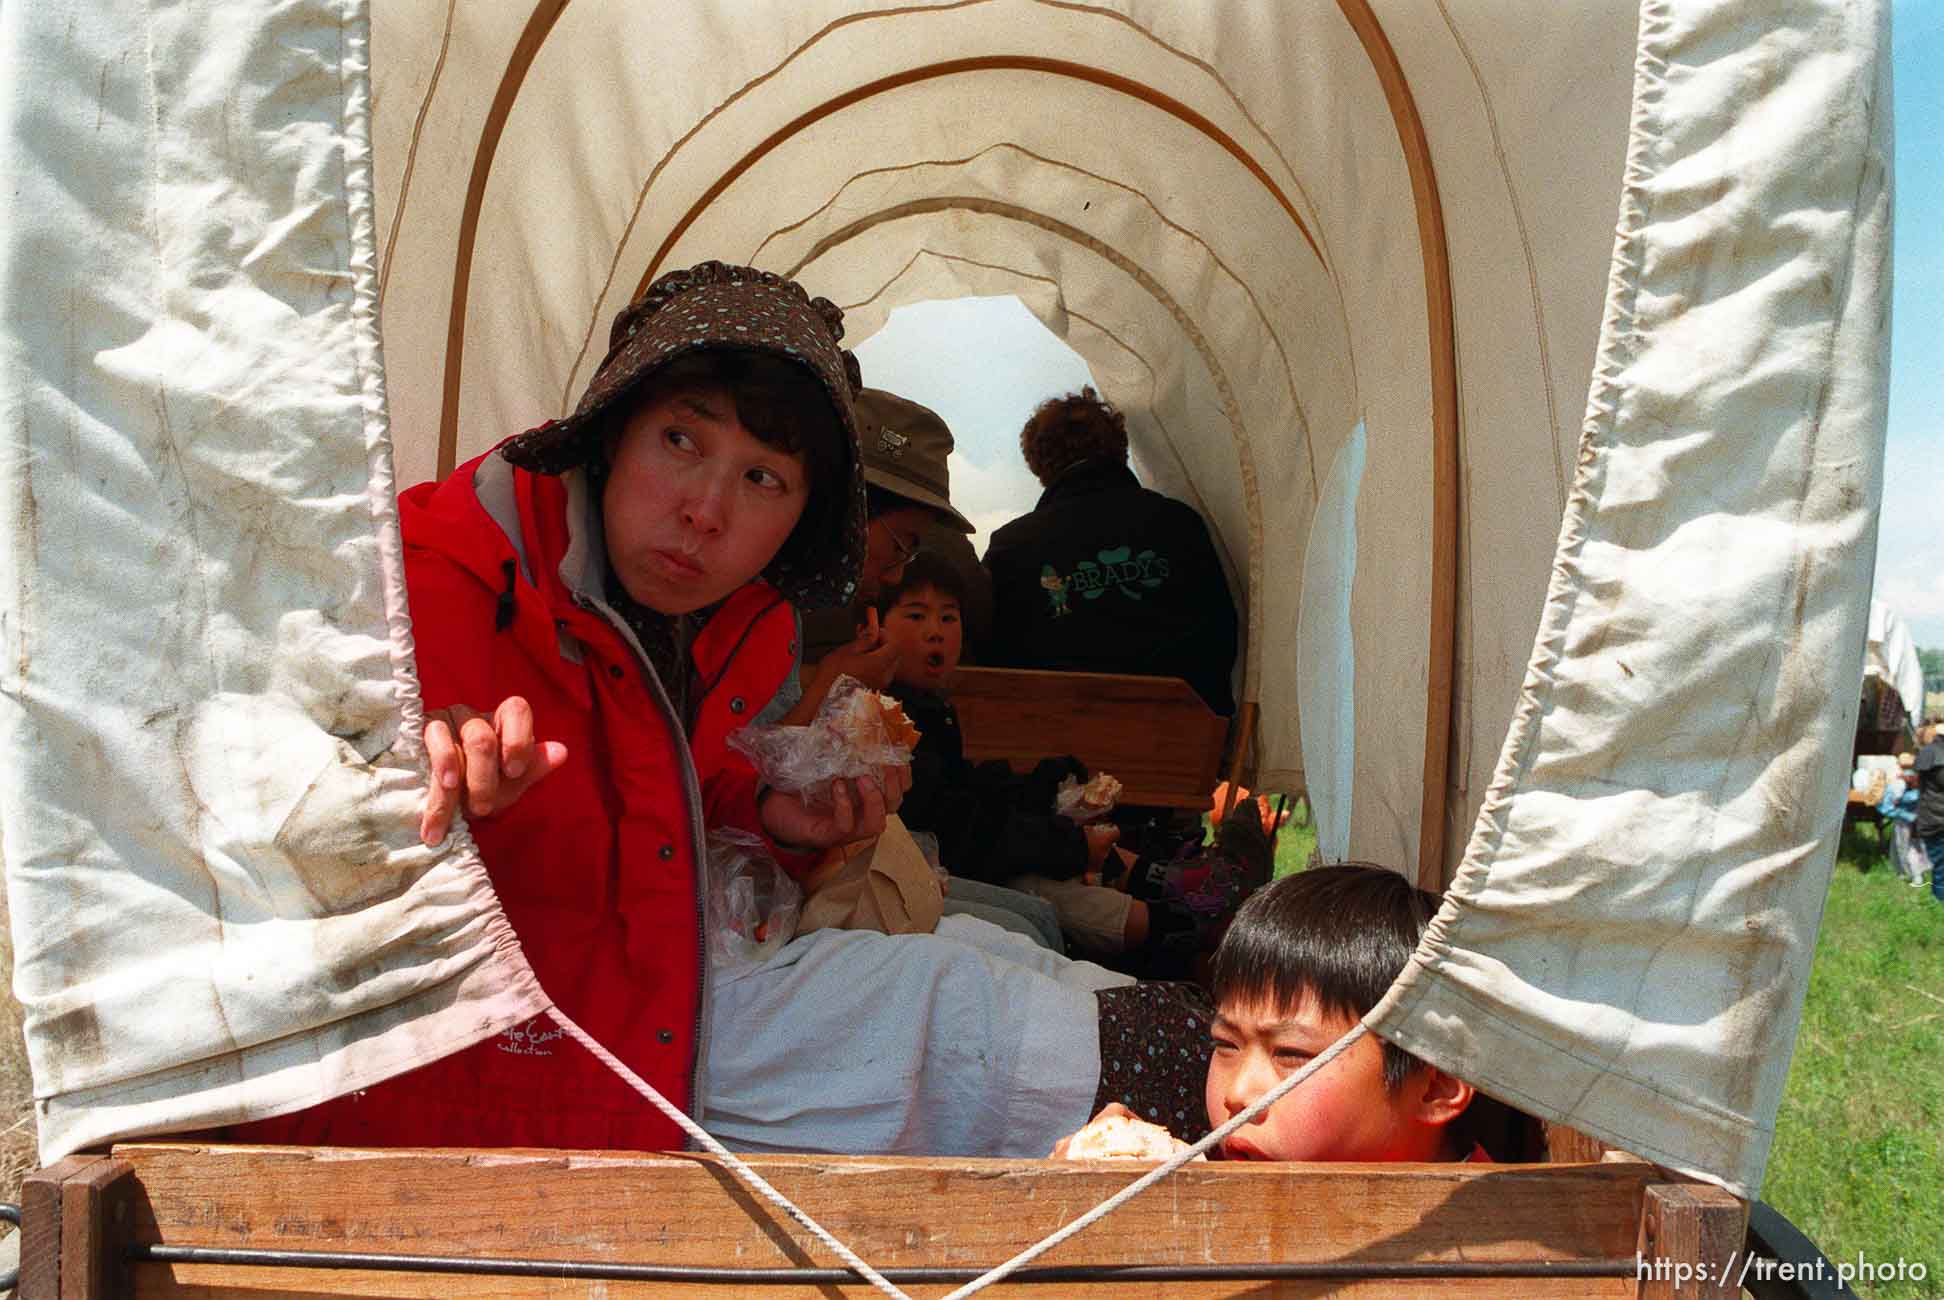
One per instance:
(751, 905)
(856, 731)
(1087, 801)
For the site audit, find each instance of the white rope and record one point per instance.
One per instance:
(1024, 1257)
(715, 1148)
(1161, 1171)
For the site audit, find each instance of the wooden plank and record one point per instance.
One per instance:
(206, 1283)
(1690, 1236)
(40, 1226)
(896, 1212)
(96, 1206)
(1154, 734)
(1240, 753)
(1568, 1145)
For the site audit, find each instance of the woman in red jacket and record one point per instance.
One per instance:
(597, 604)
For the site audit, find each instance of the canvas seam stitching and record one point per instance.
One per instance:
(654, 173)
(411, 154)
(834, 237)
(1525, 249)
(368, 352)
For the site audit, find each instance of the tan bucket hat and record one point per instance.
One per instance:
(905, 448)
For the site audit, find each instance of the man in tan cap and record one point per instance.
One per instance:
(908, 503)
(907, 487)
(907, 478)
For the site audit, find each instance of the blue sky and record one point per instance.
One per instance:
(1018, 362)
(1910, 546)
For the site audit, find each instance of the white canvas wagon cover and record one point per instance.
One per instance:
(1586, 649)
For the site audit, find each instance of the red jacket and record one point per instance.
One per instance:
(599, 866)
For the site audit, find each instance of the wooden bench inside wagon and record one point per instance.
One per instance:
(1153, 734)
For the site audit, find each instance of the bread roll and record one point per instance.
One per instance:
(868, 720)
(1122, 1137)
(1100, 792)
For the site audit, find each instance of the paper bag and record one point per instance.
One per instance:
(883, 884)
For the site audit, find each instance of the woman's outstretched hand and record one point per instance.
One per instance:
(857, 810)
(487, 760)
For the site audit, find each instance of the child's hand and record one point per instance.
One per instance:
(1111, 1108)
(870, 658)
(1100, 838)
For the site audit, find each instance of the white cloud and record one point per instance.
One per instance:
(983, 364)
(1910, 532)
(990, 495)
(1914, 587)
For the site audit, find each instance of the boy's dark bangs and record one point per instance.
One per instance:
(1340, 934)
(1257, 964)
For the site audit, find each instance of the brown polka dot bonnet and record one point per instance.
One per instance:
(715, 305)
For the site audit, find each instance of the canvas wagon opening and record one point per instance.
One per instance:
(1527, 362)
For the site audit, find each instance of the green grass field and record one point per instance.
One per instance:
(1858, 1162)
(1295, 842)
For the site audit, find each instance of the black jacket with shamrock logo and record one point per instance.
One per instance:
(1107, 576)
